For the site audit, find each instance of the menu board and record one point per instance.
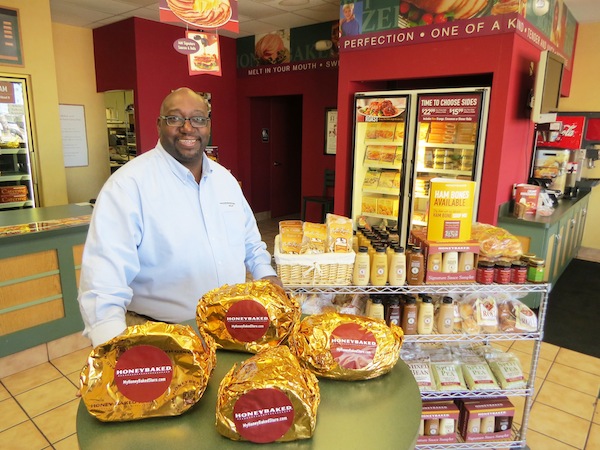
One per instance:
(10, 39)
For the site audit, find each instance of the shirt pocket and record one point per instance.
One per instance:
(235, 223)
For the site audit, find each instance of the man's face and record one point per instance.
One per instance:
(184, 143)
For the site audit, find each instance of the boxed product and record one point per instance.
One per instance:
(369, 204)
(527, 195)
(450, 210)
(439, 422)
(446, 262)
(387, 206)
(486, 420)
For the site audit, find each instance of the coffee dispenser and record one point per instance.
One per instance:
(551, 167)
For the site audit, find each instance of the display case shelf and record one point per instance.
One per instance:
(26, 204)
(466, 173)
(442, 145)
(14, 176)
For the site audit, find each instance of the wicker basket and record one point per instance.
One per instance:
(327, 269)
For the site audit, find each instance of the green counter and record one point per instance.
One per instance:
(382, 413)
(40, 254)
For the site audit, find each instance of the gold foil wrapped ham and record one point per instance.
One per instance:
(151, 370)
(248, 317)
(346, 347)
(269, 397)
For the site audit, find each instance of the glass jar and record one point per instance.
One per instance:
(502, 272)
(518, 272)
(485, 272)
(535, 270)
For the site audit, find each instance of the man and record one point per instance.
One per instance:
(167, 227)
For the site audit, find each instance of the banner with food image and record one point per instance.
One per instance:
(206, 60)
(202, 14)
(272, 48)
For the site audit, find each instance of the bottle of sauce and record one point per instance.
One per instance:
(466, 261)
(425, 316)
(379, 268)
(434, 262)
(535, 270)
(445, 318)
(360, 275)
(355, 243)
(409, 316)
(415, 272)
(446, 426)
(393, 312)
(488, 424)
(376, 311)
(397, 267)
(450, 262)
(432, 427)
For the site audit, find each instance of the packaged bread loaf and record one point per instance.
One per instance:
(346, 347)
(249, 316)
(151, 370)
(269, 397)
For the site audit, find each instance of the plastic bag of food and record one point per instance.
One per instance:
(516, 317)
(314, 238)
(495, 242)
(507, 369)
(339, 234)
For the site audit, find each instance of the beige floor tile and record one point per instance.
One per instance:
(543, 365)
(559, 425)
(23, 437)
(578, 361)
(547, 351)
(579, 380)
(596, 418)
(58, 423)
(4, 394)
(538, 441)
(69, 443)
(31, 378)
(24, 360)
(68, 344)
(566, 399)
(593, 442)
(49, 396)
(72, 362)
(74, 378)
(11, 414)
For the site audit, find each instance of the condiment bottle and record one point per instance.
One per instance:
(434, 262)
(360, 275)
(446, 426)
(415, 272)
(502, 423)
(393, 313)
(409, 316)
(379, 268)
(432, 427)
(425, 316)
(518, 272)
(376, 311)
(485, 272)
(450, 262)
(445, 318)
(488, 424)
(397, 267)
(502, 272)
(466, 261)
(474, 425)
(355, 243)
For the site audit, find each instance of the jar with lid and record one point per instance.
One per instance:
(518, 272)
(485, 272)
(535, 270)
(502, 272)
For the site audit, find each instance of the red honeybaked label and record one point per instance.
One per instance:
(352, 346)
(247, 321)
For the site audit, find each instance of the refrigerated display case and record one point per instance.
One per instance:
(17, 175)
(403, 139)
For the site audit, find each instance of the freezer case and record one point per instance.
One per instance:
(17, 186)
(379, 159)
(449, 144)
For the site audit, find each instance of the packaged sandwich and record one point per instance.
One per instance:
(151, 370)
(346, 347)
(269, 397)
(247, 317)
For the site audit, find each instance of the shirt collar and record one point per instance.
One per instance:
(182, 172)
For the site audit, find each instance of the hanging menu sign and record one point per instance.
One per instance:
(450, 107)
(10, 38)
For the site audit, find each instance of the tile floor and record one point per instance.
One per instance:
(38, 405)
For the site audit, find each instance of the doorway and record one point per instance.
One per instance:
(276, 154)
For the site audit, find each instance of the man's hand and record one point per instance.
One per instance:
(274, 279)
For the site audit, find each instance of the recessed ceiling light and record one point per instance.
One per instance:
(293, 2)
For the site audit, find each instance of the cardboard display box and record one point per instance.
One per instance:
(497, 412)
(439, 411)
(432, 249)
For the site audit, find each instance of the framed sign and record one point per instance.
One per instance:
(10, 38)
(74, 140)
(330, 131)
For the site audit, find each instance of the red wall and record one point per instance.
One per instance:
(138, 54)
(509, 139)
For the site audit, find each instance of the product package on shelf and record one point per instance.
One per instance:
(450, 211)
(439, 422)
(486, 420)
(447, 262)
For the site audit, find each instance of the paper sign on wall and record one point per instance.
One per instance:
(74, 140)
(206, 60)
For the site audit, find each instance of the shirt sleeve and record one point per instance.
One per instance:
(107, 270)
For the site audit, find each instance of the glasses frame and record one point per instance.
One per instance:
(168, 118)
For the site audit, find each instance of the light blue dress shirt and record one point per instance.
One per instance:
(158, 241)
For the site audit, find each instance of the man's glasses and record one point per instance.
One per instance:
(177, 121)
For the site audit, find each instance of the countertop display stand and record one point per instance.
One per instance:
(542, 289)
